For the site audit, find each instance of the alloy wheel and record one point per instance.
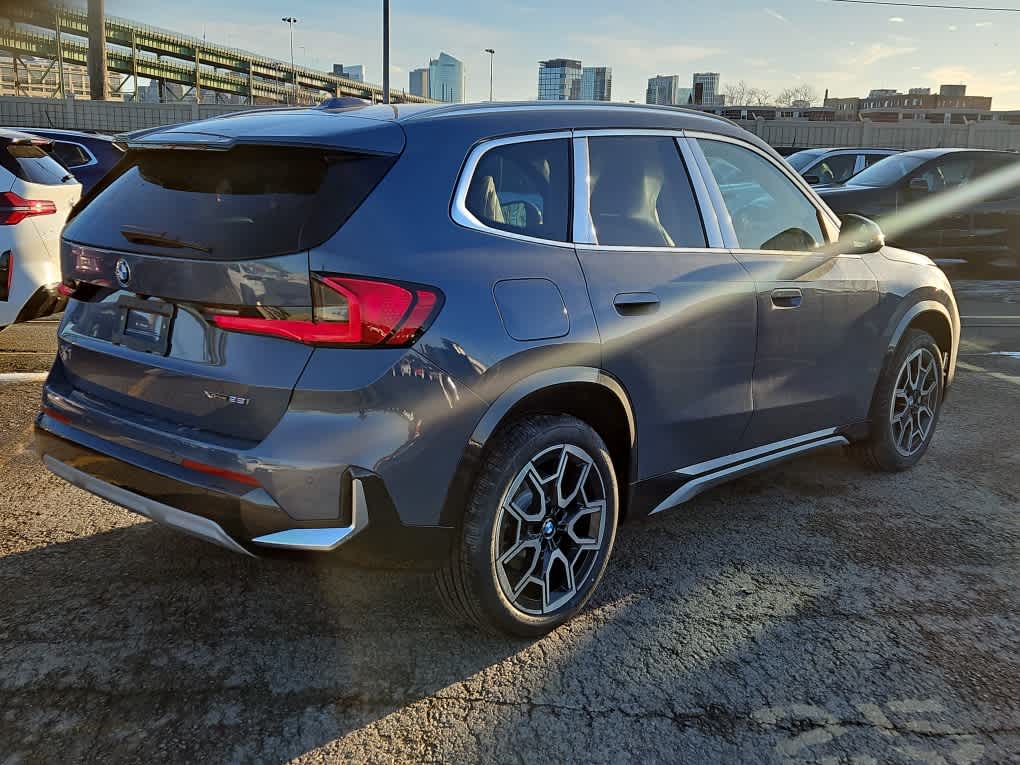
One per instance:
(550, 529)
(914, 402)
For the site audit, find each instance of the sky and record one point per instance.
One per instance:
(847, 49)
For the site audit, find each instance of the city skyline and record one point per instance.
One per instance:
(781, 46)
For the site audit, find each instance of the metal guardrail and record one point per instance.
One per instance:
(140, 49)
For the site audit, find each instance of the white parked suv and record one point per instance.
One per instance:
(36, 195)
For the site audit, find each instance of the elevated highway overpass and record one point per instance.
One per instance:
(138, 50)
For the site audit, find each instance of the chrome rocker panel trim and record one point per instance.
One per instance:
(323, 539)
(195, 525)
(727, 468)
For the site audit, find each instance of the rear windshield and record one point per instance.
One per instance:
(249, 202)
(802, 159)
(32, 164)
(887, 171)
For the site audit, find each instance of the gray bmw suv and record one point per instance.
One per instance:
(475, 337)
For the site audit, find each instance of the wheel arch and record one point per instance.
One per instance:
(587, 393)
(934, 318)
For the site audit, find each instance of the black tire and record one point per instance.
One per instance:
(470, 583)
(884, 448)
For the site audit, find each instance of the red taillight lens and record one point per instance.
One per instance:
(350, 311)
(14, 209)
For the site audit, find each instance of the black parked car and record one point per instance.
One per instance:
(89, 156)
(983, 228)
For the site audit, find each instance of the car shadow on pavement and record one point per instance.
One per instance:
(737, 625)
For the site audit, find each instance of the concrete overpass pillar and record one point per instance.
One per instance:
(99, 89)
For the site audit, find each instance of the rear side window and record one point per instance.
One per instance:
(641, 195)
(31, 164)
(834, 169)
(70, 155)
(524, 188)
(249, 202)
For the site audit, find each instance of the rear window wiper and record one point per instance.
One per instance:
(141, 236)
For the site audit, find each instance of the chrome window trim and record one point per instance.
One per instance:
(92, 157)
(458, 209)
(706, 205)
(582, 201)
(584, 226)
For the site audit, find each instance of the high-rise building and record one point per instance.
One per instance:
(684, 96)
(597, 83)
(662, 89)
(447, 81)
(706, 89)
(559, 79)
(355, 72)
(418, 82)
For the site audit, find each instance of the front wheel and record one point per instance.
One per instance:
(906, 406)
(538, 529)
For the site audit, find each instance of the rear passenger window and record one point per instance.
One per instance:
(524, 188)
(641, 195)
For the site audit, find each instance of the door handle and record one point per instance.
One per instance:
(787, 298)
(636, 303)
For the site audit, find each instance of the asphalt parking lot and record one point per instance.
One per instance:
(815, 613)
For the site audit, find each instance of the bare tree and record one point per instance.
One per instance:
(759, 97)
(804, 92)
(738, 94)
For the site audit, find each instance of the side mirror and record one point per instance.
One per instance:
(859, 235)
(812, 180)
(918, 184)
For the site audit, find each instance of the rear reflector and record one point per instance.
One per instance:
(14, 209)
(53, 414)
(350, 312)
(201, 467)
(6, 274)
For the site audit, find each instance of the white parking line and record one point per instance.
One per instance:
(18, 377)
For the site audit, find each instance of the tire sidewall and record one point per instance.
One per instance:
(479, 542)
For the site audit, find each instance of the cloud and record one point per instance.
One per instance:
(952, 27)
(896, 19)
(983, 24)
(776, 15)
(877, 52)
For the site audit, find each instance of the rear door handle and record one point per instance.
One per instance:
(787, 298)
(636, 303)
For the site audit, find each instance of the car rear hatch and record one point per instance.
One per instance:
(42, 191)
(200, 225)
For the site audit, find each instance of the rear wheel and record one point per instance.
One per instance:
(906, 406)
(538, 529)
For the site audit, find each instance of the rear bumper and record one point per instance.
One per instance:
(45, 301)
(246, 521)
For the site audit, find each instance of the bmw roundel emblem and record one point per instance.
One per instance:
(122, 271)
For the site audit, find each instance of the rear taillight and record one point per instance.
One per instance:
(350, 311)
(14, 208)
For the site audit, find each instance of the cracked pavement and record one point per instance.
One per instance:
(813, 613)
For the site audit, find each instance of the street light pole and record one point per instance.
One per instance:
(386, 51)
(492, 55)
(291, 21)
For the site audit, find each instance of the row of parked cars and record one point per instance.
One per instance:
(881, 183)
